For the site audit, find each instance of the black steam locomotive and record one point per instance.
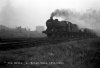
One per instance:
(60, 29)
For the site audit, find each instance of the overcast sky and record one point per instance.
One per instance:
(31, 13)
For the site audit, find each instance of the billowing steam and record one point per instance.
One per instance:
(89, 19)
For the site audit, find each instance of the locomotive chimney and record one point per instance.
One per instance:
(51, 17)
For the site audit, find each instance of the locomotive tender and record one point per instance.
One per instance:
(57, 29)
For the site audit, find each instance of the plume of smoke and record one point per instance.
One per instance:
(7, 15)
(89, 19)
(61, 13)
(11, 16)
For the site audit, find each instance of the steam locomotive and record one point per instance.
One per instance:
(60, 29)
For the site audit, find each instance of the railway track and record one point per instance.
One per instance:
(35, 42)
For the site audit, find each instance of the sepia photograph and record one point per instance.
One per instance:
(49, 33)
